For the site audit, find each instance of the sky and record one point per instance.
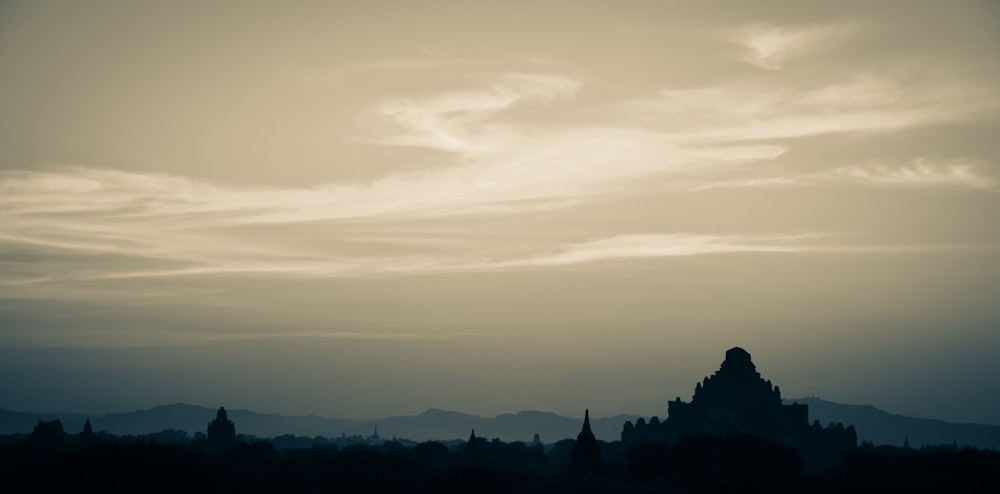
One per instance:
(366, 209)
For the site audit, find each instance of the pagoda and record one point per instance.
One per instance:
(586, 455)
(221, 431)
(737, 400)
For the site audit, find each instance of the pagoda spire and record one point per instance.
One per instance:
(87, 434)
(221, 431)
(585, 458)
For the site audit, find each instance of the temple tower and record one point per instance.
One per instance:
(586, 455)
(221, 431)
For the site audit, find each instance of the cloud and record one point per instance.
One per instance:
(563, 166)
(655, 245)
(85, 223)
(444, 121)
(922, 172)
(772, 47)
(748, 110)
(616, 247)
(750, 183)
(88, 223)
(182, 226)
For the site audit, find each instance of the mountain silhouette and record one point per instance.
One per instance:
(12, 422)
(521, 426)
(432, 424)
(881, 427)
(183, 417)
(873, 424)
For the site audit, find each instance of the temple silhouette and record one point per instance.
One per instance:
(585, 458)
(221, 431)
(737, 400)
(87, 435)
(735, 435)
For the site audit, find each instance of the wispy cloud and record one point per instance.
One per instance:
(772, 47)
(564, 166)
(444, 121)
(749, 110)
(210, 263)
(79, 222)
(922, 172)
(189, 227)
(656, 245)
(173, 226)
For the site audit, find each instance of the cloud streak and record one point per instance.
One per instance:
(921, 173)
(754, 111)
(91, 223)
(654, 245)
(444, 121)
(618, 247)
(772, 47)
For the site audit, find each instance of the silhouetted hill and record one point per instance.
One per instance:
(193, 419)
(429, 425)
(12, 422)
(521, 426)
(881, 427)
(179, 416)
(877, 426)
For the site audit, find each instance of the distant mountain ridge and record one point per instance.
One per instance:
(430, 425)
(872, 424)
(881, 427)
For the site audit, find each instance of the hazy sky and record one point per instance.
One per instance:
(361, 209)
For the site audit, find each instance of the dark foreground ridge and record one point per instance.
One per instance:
(735, 435)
